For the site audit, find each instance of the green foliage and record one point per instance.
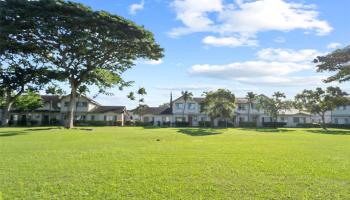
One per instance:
(273, 105)
(337, 62)
(320, 101)
(82, 46)
(174, 163)
(28, 102)
(219, 104)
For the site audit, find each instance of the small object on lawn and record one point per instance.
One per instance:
(158, 140)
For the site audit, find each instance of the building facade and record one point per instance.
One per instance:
(55, 109)
(190, 112)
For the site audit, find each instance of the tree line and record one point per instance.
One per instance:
(48, 41)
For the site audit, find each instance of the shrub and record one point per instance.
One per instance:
(308, 125)
(274, 124)
(129, 123)
(224, 124)
(140, 123)
(94, 123)
(182, 124)
(247, 124)
(204, 123)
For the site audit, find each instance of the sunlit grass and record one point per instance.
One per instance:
(152, 163)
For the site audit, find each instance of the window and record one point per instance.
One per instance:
(108, 118)
(241, 119)
(296, 119)
(241, 107)
(80, 117)
(81, 104)
(346, 120)
(202, 119)
(344, 107)
(66, 104)
(282, 119)
(336, 121)
(191, 106)
(179, 119)
(146, 119)
(179, 105)
(92, 117)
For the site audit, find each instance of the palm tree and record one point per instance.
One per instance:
(186, 95)
(251, 96)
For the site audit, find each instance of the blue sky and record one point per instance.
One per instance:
(241, 45)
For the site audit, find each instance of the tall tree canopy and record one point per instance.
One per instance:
(273, 105)
(21, 67)
(83, 46)
(337, 62)
(219, 104)
(320, 101)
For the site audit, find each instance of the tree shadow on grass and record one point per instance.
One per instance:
(330, 132)
(198, 131)
(268, 130)
(11, 133)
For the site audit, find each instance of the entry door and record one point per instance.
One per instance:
(190, 120)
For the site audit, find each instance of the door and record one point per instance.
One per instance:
(190, 120)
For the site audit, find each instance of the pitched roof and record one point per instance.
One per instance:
(293, 112)
(51, 99)
(161, 110)
(104, 109)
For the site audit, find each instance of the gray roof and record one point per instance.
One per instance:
(104, 109)
(162, 110)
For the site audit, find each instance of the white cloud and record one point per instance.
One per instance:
(284, 81)
(191, 87)
(229, 41)
(154, 62)
(246, 17)
(249, 69)
(136, 7)
(288, 55)
(334, 45)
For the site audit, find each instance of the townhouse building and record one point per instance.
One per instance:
(190, 112)
(54, 112)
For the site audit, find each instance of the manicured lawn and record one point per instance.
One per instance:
(151, 163)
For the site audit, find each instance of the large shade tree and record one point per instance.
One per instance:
(21, 67)
(321, 101)
(219, 104)
(337, 62)
(87, 47)
(274, 105)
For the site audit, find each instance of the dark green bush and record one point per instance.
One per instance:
(225, 124)
(204, 124)
(247, 124)
(274, 124)
(182, 124)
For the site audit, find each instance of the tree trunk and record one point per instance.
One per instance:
(249, 112)
(7, 108)
(6, 114)
(70, 120)
(324, 126)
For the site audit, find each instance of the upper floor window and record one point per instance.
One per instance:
(179, 105)
(81, 104)
(241, 107)
(191, 106)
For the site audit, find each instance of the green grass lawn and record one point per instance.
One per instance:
(156, 163)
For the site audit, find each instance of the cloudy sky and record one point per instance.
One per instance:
(242, 45)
